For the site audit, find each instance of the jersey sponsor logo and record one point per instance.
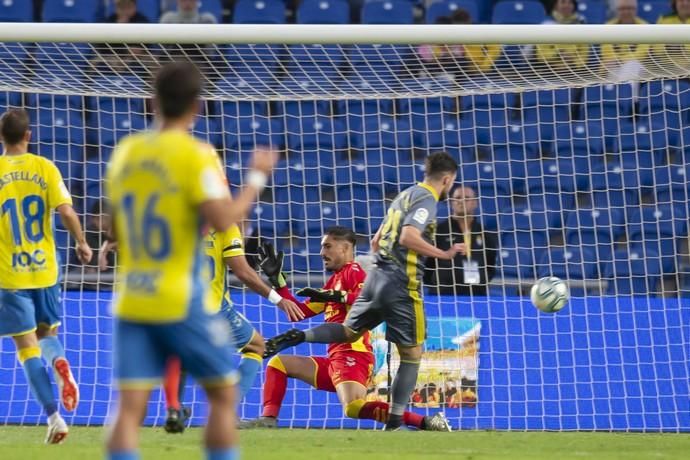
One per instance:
(143, 281)
(421, 216)
(34, 260)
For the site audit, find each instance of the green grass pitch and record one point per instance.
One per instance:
(87, 443)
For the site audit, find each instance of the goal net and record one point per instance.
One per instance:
(576, 153)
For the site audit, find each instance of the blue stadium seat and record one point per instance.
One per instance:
(251, 65)
(594, 11)
(373, 66)
(448, 7)
(596, 229)
(634, 272)
(16, 11)
(579, 139)
(208, 129)
(380, 131)
(387, 12)
(672, 185)
(553, 184)
(92, 174)
(70, 10)
(609, 106)
(264, 216)
(659, 228)
(237, 109)
(568, 263)
(259, 12)
(13, 59)
(359, 173)
(545, 108)
(449, 132)
(106, 128)
(516, 263)
(518, 12)
(9, 99)
(60, 124)
(364, 107)
(316, 134)
(323, 12)
(149, 8)
(524, 228)
(244, 133)
(315, 62)
(215, 7)
(67, 157)
(651, 10)
(665, 102)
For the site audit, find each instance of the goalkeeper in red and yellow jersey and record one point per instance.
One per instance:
(348, 367)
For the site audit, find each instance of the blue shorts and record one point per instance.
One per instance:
(241, 329)
(202, 342)
(21, 311)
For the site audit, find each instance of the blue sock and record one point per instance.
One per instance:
(124, 455)
(51, 348)
(40, 385)
(250, 364)
(222, 454)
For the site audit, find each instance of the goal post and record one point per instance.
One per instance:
(578, 159)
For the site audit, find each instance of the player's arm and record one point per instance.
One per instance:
(70, 221)
(375, 240)
(217, 206)
(246, 274)
(417, 217)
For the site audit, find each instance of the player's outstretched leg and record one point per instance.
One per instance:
(437, 422)
(280, 342)
(403, 384)
(54, 354)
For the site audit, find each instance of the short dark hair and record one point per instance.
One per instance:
(178, 85)
(461, 16)
(342, 233)
(13, 126)
(438, 164)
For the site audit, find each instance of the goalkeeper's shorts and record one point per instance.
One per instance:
(341, 367)
(21, 311)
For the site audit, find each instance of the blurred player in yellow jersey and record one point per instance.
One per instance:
(31, 187)
(165, 189)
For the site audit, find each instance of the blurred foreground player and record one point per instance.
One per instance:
(348, 367)
(392, 291)
(164, 188)
(31, 187)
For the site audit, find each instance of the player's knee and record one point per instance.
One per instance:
(352, 336)
(276, 363)
(353, 408)
(259, 345)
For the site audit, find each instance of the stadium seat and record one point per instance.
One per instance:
(609, 106)
(319, 134)
(251, 66)
(59, 124)
(315, 62)
(448, 7)
(596, 229)
(651, 10)
(16, 11)
(545, 108)
(215, 7)
(149, 8)
(380, 131)
(594, 11)
(672, 185)
(554, 182)
(579, 139)
(516, 263)
(323, 12)
(659, 228)
(634, 272)
(387, 12)
(106, 128)
(665, 102)
(449, 132)
(70, 10)
(259, 12)
(524, 228)
(244, 133)
(518, 12)
(209, 129)
(237, 109)
(568, 263)
(373, 66)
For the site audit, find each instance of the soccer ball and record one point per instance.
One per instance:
(550, 294)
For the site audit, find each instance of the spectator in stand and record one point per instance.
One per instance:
(678, 54)
(97, 223)
(625, 62)
(458, 60)
(465, 275)
(188, 13)
(126, 13)
(564, 56)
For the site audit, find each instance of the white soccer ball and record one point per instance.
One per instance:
(550, 294)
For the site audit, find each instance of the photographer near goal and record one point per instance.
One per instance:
(392, 291)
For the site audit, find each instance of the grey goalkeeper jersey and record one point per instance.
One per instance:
(414, 206)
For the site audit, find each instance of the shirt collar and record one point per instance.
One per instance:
(429, 188)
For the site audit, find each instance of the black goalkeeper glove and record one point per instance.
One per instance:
(323, 295)
(271, 264)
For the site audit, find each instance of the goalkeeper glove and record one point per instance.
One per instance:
(272, 264)
(323, 295)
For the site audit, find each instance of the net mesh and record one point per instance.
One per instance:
(577, 155)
